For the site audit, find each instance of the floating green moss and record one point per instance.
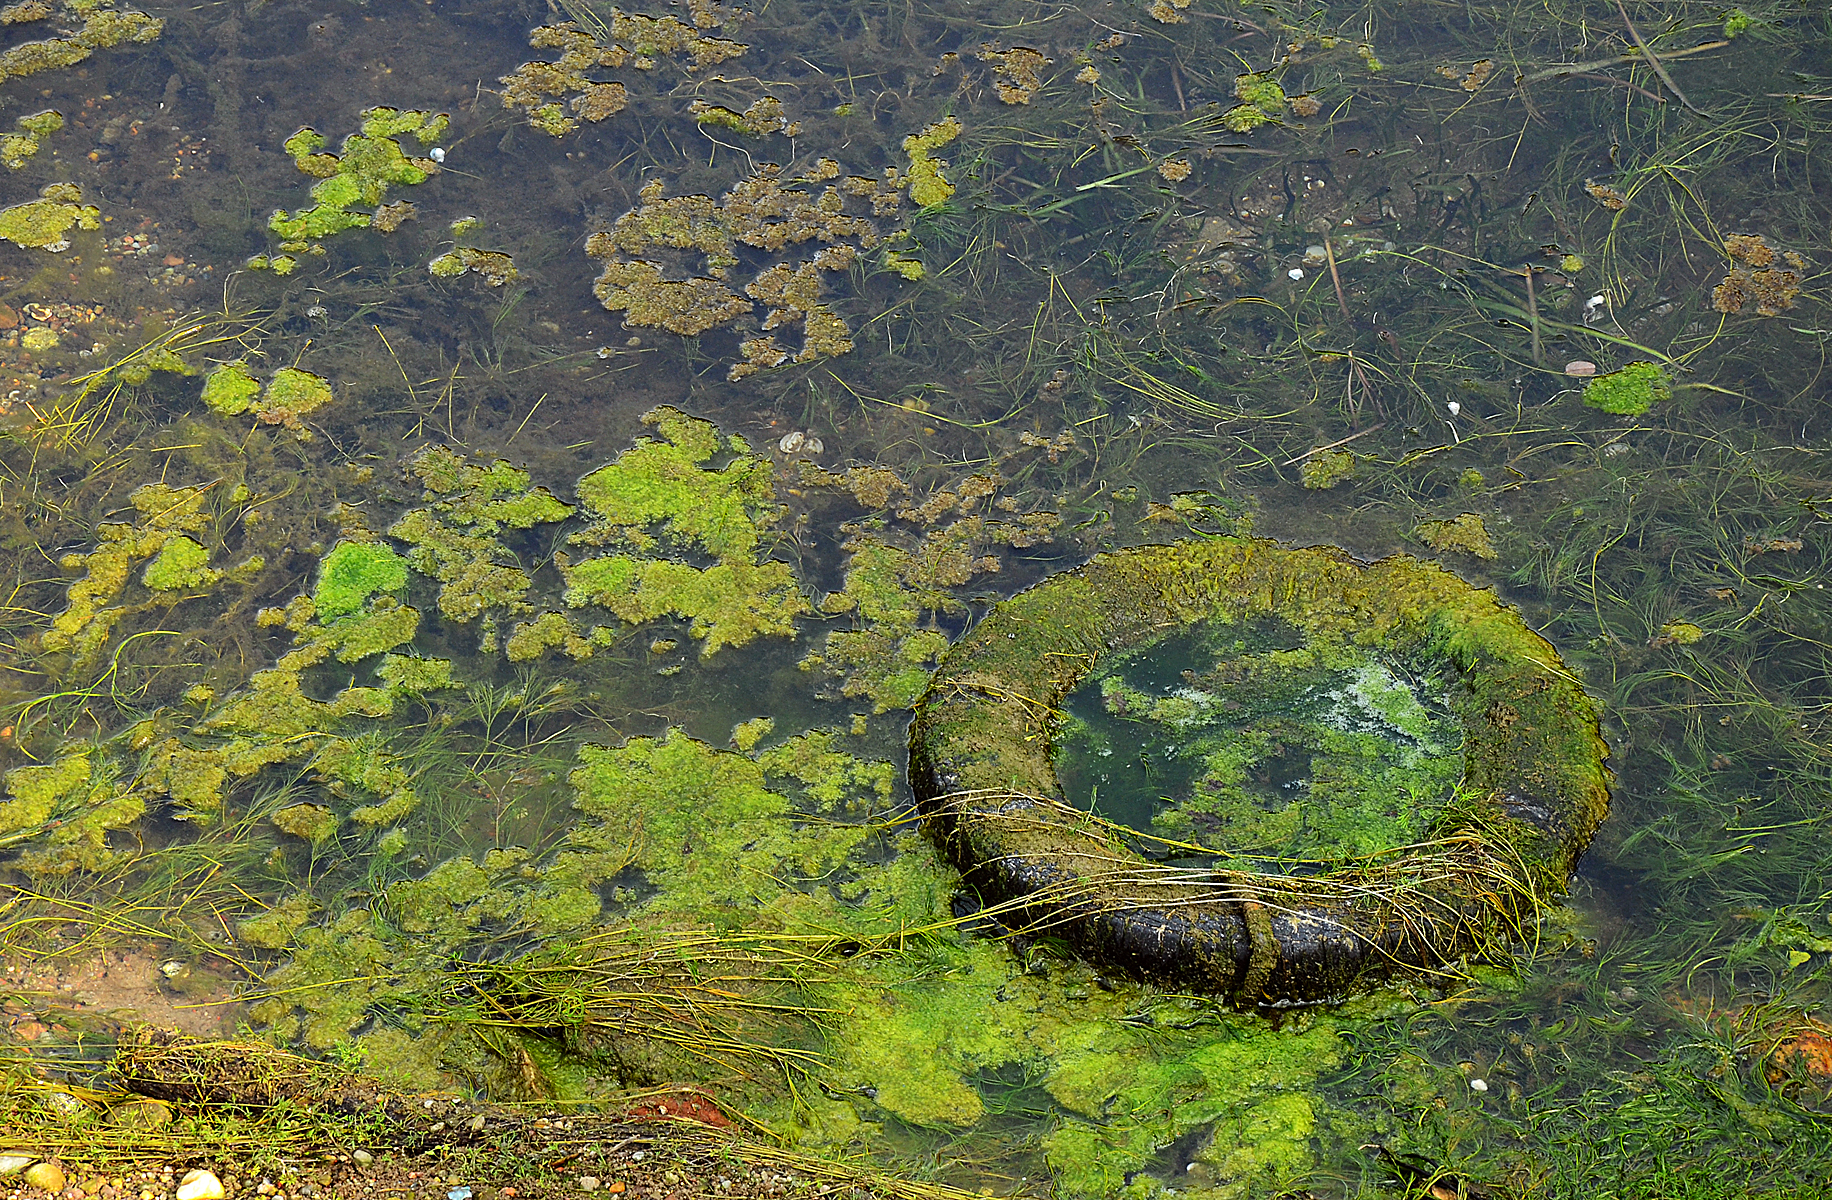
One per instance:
(539, 89)
(352, 573)
(83, 628)
(368, 164)
(45, 223)
(182, 563)
(229, 390)
(928, 185)
(495, 267)
(668, 492)
(98, 27)
(1466, 533)
(457, 537)
(1630, 391)
(16, 148)
(291, 394)
(1326, 470)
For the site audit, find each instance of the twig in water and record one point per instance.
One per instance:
(1533, 317)
(1292, 462)
(1335, 277)
(1655, 63)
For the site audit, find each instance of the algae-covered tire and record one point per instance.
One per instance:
(1534, 785)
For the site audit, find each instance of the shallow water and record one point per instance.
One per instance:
(1159, 301)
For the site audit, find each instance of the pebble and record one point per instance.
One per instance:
(68, 1106)
(588, 1183)
(12, 1164)
(1478, 1085)
(1295, 274)
(477, 1123)
(459, 1193)
(200, 1185)
(1580, 368)
(46, 1175)
(363, 1157)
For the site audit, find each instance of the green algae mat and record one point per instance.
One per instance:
(511, 523)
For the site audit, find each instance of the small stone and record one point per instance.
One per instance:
(1580, 368)
(46, 1175)
(588, 1183)
(363, 1157)
(477, 1123)
(200, 1185)
(12, 1164)
(67, 1106)
(1478, 1085)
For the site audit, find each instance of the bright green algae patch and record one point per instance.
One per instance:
(667, 493)
(1260, 747)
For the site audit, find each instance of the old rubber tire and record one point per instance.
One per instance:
(1535, 787)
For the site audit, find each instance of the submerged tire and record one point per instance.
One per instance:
(1534, 788)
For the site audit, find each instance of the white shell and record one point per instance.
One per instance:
(791, 441)
(1454, 407)
(1295, 274)
(437, 154)
(813, 445)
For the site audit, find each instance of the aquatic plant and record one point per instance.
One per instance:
(1630, 390)
(367, 165)
(16, 148)
(1327, 469)
(45, 223)
(668, 491)
(927, 183)
(538, 88)
(1465, 533)
(457, 538)
(92, 25)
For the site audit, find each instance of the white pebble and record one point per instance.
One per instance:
(437, 154)
(200, 1185)
(1454, 408)
(1478, 1085)
(588, 1183)
(1295, 274)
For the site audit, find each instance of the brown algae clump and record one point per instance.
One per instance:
(762, 118)
(1327, 469)
(669, 262)
(1755, 275)
(493, 266)
(1017, 72)
(668, 491)
(541, 89)
(45, 223)
(94, 24)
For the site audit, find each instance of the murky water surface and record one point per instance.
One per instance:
(489, 481)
